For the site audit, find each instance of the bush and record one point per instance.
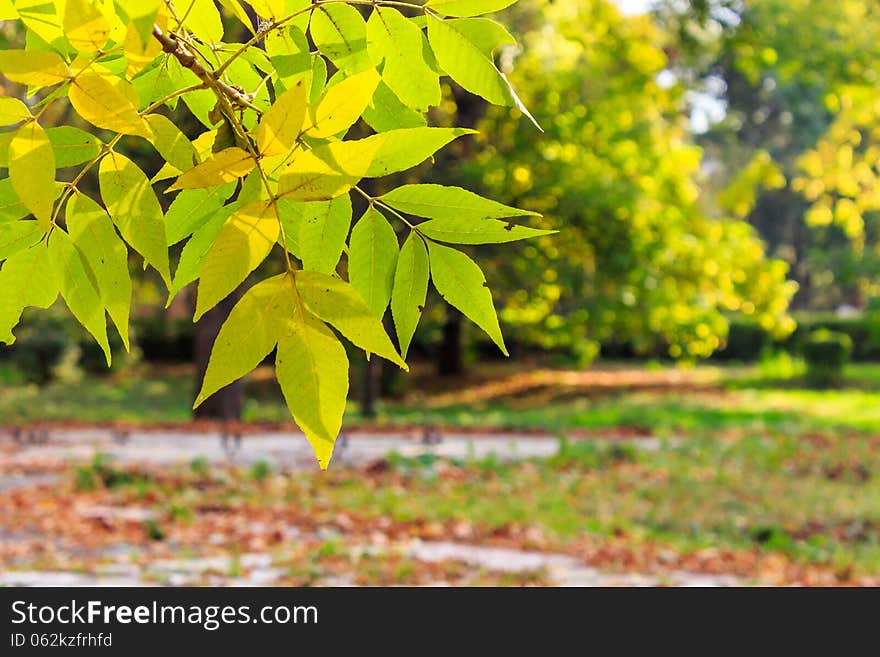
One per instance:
(826, 352)
(39, 347)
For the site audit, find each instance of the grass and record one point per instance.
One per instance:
(759, 399)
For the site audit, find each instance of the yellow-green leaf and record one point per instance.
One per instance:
(16, 236)
(281, 124)
(401, 44)
(328, 171)
(462, 8)
(322, 232)
(34, 68)
(312, 369)
(85, 26)
(202, 19)
(193, 254)
(171, 143)
(223, 167)
(461, 282)
(72, 146)
(341, 105)
(32, 170)
(340, 34)
(339, 304)
(192, 209)
(372, 259)
(108, 102)
(466, 230)
(440, 202)
(12, 110)
(27, 279)
(249, 334)
(410, 289)
(76, 288)
(93, 233)
(135, 210)
(243, 243)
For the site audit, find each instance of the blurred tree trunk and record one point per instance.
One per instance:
(450, 355)
(372, 386)
(227, 403)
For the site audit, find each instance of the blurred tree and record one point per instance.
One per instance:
(799, 80)
(645, 258)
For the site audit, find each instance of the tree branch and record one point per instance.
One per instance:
(176, 49)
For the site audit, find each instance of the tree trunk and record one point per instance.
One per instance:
(450, 356)
(372, 386)
(227, 403)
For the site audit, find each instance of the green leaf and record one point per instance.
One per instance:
(249, 334)
(281, 124)
(17, 236)
(466, 63)
(400, 150)
(340, 33)
(372, 259)
(322, 233)
(439, 202)
(462, 284)
(409, 69)
(27, 279)
(12, 110)
(339, 304)
(223, 167)
(312, 369)
(460, 52)
(291, 215)
(12, 207)
(72, 146)
(387, 112)
(105, 253)
(191, 209)
(76, 288)
(484, 33)
(174, 146)
(410, 289)
(193, 254)
(243, 243)
(32, 170)
(466, 230)
(462, 8)
(135, 210)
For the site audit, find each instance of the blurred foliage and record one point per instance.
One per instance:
(640, 254)
(797, 79)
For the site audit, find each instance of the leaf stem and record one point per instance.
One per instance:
(70, 187)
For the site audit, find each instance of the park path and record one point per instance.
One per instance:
(289, 452)
(284, 450)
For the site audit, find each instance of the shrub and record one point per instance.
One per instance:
(826, 352)
(40, 346)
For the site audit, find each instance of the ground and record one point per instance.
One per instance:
(616, 475)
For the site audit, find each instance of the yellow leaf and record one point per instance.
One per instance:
(339, 168)
(222, 167)
(140, 53)
(282, 122)
(85, 26)
(32, 170)
(108, 102)
(269, 8)
(341, 105)
(243, 243)
(12, 110)
(312, 369)
(39, 69)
